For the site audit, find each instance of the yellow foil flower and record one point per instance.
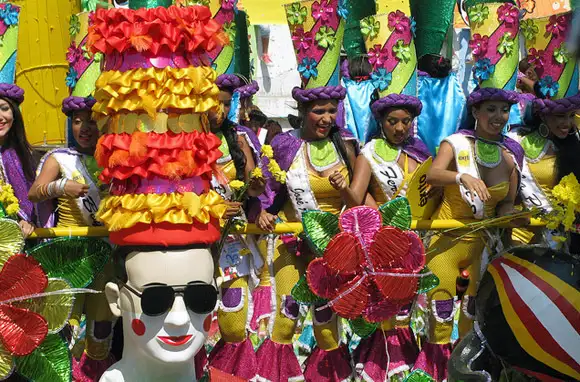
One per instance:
(236, 184)
(267, 151)
(257, 173)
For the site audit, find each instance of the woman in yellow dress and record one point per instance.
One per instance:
(479, 171)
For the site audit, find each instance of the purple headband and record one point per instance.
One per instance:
(324, 92)
(72, 104)
(413, 104)
(492, 94)
(14, 92)
(556, 106)
(246, 91)
(229, 82)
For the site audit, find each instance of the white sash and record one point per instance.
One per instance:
(532, 194)
(465, 162)
(388, 175)
(73, 168)
(298, 185)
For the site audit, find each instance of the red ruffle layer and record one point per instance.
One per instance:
(168, 234)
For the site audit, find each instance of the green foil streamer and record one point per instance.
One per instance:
(363, 328)
(471, 3)
(76, 259)
(49, 362)
(353, 40)
(319, 227)
(242, 45)
(433, 17)
(397, 213)
(136, 4)
(302, 293)
(419, 376)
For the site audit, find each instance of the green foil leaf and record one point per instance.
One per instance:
(319, 227)
(77, 259)
(11, 239)
(419, 376)
(50, 362)
(302, 293)
(363, 328)
(428, 282)
(397, 213)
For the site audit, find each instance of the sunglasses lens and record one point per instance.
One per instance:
(157, 300)
(200, 298)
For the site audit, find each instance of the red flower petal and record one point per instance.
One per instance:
(380, 310)
(389, 248)
(415, 259)
(344, 253)
(21, 330)
(324, 281)
(352, 304)
(399, 290)
(21, 276)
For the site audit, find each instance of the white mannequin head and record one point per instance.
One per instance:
(176, 336)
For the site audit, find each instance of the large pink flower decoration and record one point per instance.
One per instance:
(368, 269)
(478, 45)
(536, 58)
(508, 13)
(322, 10)
(399, 22)
(556, 25)
(74, 53)
(302, 40)
(377, 56)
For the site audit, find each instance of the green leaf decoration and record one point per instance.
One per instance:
(397, 213)
(302, 293)
(76, 259)
(419, 376)
(363, 328)
(55, 309)
(6, 363)
(428, 282)
(11, 239)
(319, 227)
(50, 362)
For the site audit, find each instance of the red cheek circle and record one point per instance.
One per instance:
(138, 327)
(207, 323)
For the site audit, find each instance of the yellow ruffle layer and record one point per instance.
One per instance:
(192, 89)
(120, 212)
(161, 123)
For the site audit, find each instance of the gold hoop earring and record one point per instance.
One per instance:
(543, 130)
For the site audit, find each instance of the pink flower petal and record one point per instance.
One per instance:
(363, 222)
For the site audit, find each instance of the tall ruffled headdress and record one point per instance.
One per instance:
(391, 52)
(494, 46)
(152, 99)
(317, 32)
(557, 70)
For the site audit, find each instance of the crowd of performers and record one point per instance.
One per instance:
(267, 331)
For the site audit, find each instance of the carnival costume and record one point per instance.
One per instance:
(528, 312)
(545, 42)
(449, 254)
(157, 152)
(395, 78)
(237, 314)
(317, 32)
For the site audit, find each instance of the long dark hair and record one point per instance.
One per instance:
(16, 139)
(228, 129)
(335, 138)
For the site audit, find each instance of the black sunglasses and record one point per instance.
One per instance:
(156, 300)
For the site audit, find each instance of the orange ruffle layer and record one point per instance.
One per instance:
(168, 155)
(191, 29)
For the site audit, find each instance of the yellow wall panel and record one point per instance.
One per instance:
(41, 66)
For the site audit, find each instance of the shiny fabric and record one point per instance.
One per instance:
(433, 360)
(119, 212)
(359, 119)
(168, 234)
(277, 362)
(234, 358)
(191, 89)
(328, 366)
(119, 30)
(443, 109)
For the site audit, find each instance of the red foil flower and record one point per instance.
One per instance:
(478, 45)
(322, 10)
(377, 56)
(302, 40)
(536, 58)
(399, 22)
(508, 13)
(556, 25)
(368, 270)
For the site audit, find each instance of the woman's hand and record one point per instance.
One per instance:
(233, 210)
(266, 221)
(337, 181)
(74, 189)
(475, 185)
(26, 227)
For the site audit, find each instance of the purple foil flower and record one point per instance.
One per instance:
(398, 21)
(556, 25)
(322, 10)
(377, 56)
(536, 58)
(229, 4)
(302, 40)
(508, 13)
(478, 45)
(74, 53)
